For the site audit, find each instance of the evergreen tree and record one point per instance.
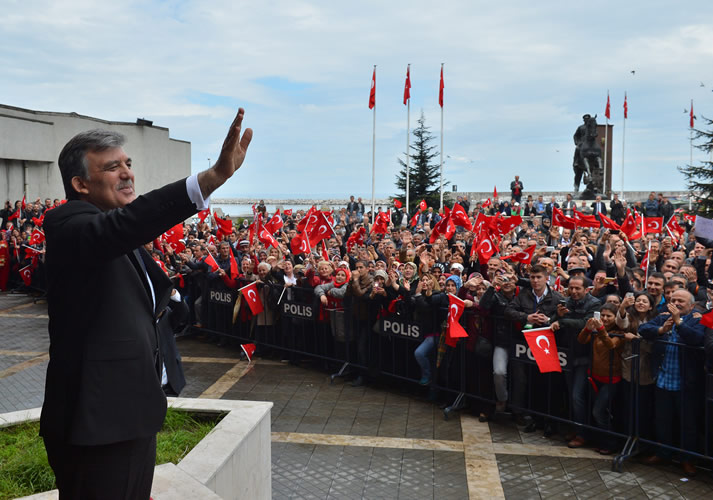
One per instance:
(700, 177)
(425, 181)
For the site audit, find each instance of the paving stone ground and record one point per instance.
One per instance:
(306, 402)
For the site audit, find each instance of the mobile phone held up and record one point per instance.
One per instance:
(597, 315)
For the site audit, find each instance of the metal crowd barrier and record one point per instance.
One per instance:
(366, 339)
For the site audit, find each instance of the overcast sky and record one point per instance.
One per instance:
(518, 77)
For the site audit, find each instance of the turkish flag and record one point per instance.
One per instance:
(707, 319)
(423, 205)
(320, 230)
(505, 225)
(690, 218)
(524, 256)
(212, 263)
(381, 223)
(14, 215)
(692, 117)
(249, 350)
(255, 227)
(4, 264)
(645, 261)
(583, 220)
(653, 224)
(673, 227)
(356, 239)
(275, 223)
(414, 219)
(440, 89)
(234, 273)
(39, 221)
(561, 220)
(372, 92)
(325, 255)
(629, 227)
(608, 223)
(266, 238)
(460, 217)
(32, 253)
(481, 220)
(288, 212)
(23, 205)
(607, 111)
(26, 275)
(407, 85)
(37, 237)
(485, 249)
(398, 204)
(455, 310)
(309, 220)
(495, 191)
(544, 348)
(445, 227)
(487, 203)
(225, 226)
(252, 298)
(203, 214)
(300, 244)
(626, 108)
(174, 235)
(557, 287)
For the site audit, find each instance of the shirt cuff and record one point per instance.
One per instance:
(194, 193)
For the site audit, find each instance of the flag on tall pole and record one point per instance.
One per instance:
(623, 143)
(440, 101)
(691, 132)
(407, 102)
(372, 105)
(607, 114)
(372, 92)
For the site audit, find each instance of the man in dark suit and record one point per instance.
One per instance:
(598, 207)
(103, 399)
(550, 207)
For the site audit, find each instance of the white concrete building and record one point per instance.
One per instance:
(30, 143)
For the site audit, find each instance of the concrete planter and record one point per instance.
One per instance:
(231, 462)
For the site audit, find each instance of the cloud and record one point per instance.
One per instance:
(518, 78)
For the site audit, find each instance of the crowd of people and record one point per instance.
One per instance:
(627, 306)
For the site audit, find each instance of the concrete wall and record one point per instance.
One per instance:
(37, 137)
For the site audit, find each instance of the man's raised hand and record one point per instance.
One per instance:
(234, 147)
(231, 157)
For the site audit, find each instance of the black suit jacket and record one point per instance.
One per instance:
(597, 212)
(103, 384)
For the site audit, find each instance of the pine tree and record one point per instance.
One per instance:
(700, 177)
(425, 181)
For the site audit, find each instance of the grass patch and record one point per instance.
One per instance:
(24, 469)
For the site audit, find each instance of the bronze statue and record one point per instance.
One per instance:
(587, 162)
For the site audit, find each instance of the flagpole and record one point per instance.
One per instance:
(408, 124)
(606, 147)
(691, 134)
(441, 148)
(373, 163)
(606, 165)
(623, 143)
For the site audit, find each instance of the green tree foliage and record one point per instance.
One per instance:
(699, 178)
(425, 181)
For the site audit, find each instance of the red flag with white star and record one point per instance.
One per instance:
(407, 85)
(544, 348)
(252, 298)
(372, 92)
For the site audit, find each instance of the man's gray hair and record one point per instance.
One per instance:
(73, 158)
